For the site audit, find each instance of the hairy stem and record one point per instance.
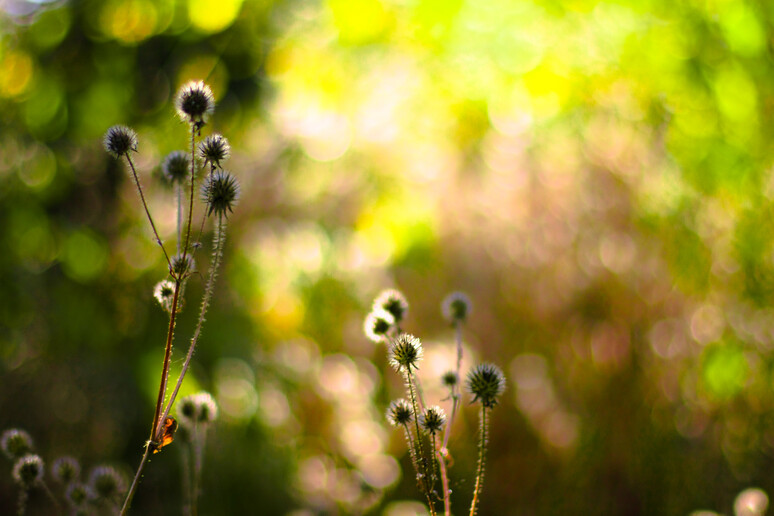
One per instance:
(179, 195)
(217, 254)
(145, 207)
(422, 472)
(444, 482)
(157, 419)
(136, 481)
(481, 459)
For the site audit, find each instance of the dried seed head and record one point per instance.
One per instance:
(433, 419)
(197, 408)
(15, 443)
(394, 302)
(405, 353)
(456, 307)
(450, 379)
(377, 324)
(486, 382)
(194, 102)
(164, 292)
(65, 470)
(220, 191)
(78, 495)
(399, 413)
(176, 166)
(106, 482)
(119, 140)
(28, 470)
(214, 149)
(182, 267)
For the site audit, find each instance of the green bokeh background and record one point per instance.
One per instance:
(596, 175)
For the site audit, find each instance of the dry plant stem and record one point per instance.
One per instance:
(422, 472)
(136, 481)
(193, 181)
(145, 207)
(444, 483)
(217, 255)
(481, 459)
(21, 504)
(179, 191)
(186, 467)
(157, 420)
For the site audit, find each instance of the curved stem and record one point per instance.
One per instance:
(145, 207)
(481, 459)
(136, 481)
(217, 255)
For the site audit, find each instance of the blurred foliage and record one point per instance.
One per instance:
(596, 175)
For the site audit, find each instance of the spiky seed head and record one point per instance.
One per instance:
(486, 382)
(214, 149)
(16, 443)
(220, 191)
(432, 419)
(78, 494)
(176, 167)
(394, 302)
(450, 379)
(399, 413)
(456, 307)
(120, 140)
(164, 292)
(378, 324)
(405, 353)
(197, 408)
(65, 470)
(106, 482)
(28, 470)
(182, 267)
(194, 102)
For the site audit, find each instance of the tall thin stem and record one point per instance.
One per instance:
(444, 483)
(217, 254)
(157, 420)
(136, 481)
(481, 459)
(179, 195)
(145, 207)
(422, 472)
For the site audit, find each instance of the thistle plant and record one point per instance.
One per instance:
(219, 193)
(195, 414)
(423, 425)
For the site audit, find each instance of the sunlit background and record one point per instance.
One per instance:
(596, 175)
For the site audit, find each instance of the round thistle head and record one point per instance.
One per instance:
(176, 167)
(433, 419)
(106, 482)
(399, 413)
(182, 267)
(450, 379)
(164, 292)
(220, 191)
(28, 470)
(119, 140)
(377, 325)
(394, 302)
(456, 307)
(214, 149)
(486, 382)
(15, 443)
(65, 470)
(197, 408)
(194, 102)
(77, 494)
(405, 353)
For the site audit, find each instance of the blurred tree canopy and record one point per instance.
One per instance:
(596, 175)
